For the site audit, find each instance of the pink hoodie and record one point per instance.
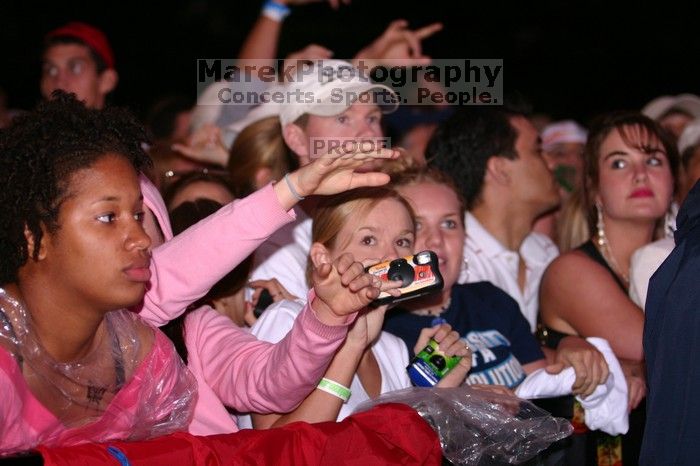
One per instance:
(231, 366)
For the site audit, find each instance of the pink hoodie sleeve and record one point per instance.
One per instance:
(252, 375)
(186, 267)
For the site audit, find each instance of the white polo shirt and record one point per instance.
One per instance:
(488, 260)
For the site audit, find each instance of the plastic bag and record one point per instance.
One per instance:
(132, 385)
(477, 426)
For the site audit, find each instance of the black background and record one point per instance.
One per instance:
(572, 59)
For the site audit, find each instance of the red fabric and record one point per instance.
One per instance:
(90, 35)
(388, 434)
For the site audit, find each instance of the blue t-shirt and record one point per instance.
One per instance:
(490, 322)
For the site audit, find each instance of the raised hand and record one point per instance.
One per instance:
(342, 288)
(205, 145)
(334, 174)
(398, 45)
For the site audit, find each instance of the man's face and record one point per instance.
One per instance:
(71, 68)
(566, 153)
(359, 122)
(568, 156)
(675, 122)
(531, 181)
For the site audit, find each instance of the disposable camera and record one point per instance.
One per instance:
(419, 275)
(430, 365)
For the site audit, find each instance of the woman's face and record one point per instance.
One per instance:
(98, 257)
(634, 184)
(439, 226)
(384, 233)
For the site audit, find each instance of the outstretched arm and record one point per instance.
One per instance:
(261, 45)
(354, 356)
(321, 406)
(251, 375)
(185, 268)
(397, 46)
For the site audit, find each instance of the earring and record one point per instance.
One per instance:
(602, 240)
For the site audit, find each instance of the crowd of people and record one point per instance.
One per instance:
(137, 256)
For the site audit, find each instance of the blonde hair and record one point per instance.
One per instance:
(259, 145)
(333, 213)
(572, 225)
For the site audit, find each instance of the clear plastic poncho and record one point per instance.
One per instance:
(132, 385)
(479, 427)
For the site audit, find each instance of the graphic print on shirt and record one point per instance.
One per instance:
(492, 361)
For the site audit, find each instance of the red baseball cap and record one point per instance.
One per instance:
(90, 35)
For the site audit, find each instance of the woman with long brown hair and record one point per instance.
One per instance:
(628, 188)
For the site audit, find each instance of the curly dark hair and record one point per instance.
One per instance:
(38, 153)
(463, 144)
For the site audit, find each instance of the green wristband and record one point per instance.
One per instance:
(335, 389)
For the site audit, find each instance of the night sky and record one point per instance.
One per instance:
(570, 59)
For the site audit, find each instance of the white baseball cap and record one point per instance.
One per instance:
(690, 136)
(689, 103)
(562, 132)
(329, 87)
(268, 108)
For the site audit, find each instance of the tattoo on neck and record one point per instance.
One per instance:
(95, 394)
